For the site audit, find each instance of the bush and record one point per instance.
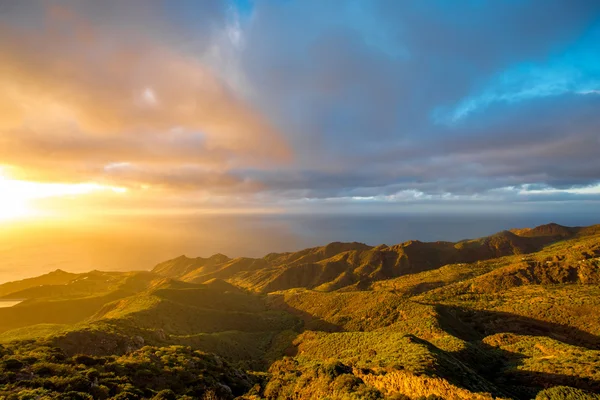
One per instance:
(73, 395)
(566, 393)
(126, 396)
(335, 369)
(347, 383)
(85, 360)
(166, 394)
(32, 394)
(12, 364)
(399, 396)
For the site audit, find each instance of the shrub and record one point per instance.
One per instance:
(566, 393)
(126, 396)
(43, 369)
(85, 360)
(335, 369)
(399, 396)
(73, 395)
(347, 383)
(12, 364)
(166, 394)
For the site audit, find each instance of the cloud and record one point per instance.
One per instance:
(377, 101)
(356, 98)
(572, 71)
(81, 90)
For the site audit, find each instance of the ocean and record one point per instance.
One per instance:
(136, 243)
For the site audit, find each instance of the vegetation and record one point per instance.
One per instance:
(510, 316)
(29, 371)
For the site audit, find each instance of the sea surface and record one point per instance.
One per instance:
(137, 243)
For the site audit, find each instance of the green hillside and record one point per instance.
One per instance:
(509, 316)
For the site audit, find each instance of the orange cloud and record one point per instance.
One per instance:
(76, 97)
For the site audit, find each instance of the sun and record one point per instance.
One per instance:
(14, 208)
(14, 202)
(19, 199)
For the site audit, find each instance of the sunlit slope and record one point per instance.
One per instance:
(505, 316)
(57, 277)
(182, 265)
(215, 317)
(357, 265)
(573, 260)
(540, 330)
(71, 302)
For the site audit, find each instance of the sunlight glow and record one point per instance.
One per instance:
(13, 209)
(16, 196)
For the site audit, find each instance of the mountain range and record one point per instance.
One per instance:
(510, 316)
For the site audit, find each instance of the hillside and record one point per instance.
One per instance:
(509, 316)
(339, 265)
(57, 277)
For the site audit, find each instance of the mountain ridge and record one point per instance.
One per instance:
(512, 315)
(338, 264)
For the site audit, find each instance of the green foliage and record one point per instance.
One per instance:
(566, 393)
(166, 394)
(335, 380)
(151, 372)
(12, 364)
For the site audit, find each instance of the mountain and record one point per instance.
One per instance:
(509, 316)
(548, 230)
(57, 277)
(180, 266)
(339, 265)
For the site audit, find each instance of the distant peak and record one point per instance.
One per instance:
(551, 225)
(504, 233)
(220, 284)
(346, 245)
(551, 229)
(412, 242)
(59, 271)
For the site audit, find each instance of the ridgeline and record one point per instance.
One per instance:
(511, 316)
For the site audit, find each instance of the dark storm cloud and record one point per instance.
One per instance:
(380, 97)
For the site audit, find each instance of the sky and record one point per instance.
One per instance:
(165, 108)
(298, 106)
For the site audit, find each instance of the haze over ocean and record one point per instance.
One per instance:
(133, 243)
